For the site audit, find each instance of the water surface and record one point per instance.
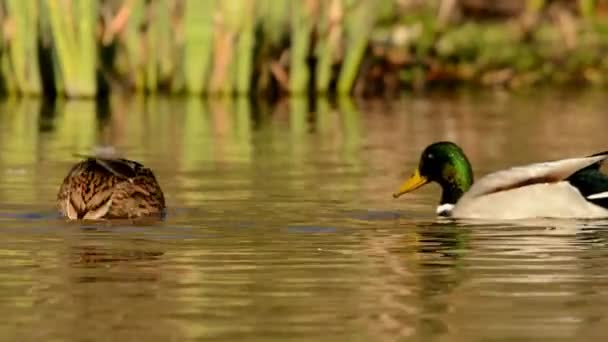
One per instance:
(281, 224)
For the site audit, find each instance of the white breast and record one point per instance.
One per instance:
(444, 209)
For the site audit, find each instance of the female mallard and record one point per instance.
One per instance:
(110, 188)
(573, 188)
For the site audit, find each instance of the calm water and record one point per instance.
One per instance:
(282, 226)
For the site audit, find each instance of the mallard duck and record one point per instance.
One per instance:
(110, 188)
(568, 188)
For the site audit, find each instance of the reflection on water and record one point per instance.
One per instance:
(281, 223)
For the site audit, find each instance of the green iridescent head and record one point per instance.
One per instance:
(444, 163)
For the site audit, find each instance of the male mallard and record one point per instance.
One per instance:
(110, 188)
(573, 188)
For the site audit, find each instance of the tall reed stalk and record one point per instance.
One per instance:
(328, 45)
(8, 79)
(159, 63)
(198, 29)
(360, 20)
(226, 28)
(587, 8)
(302, 23)
(133, 44)
(244, 47)
(73, 23)
(273, 18)
(22, 45)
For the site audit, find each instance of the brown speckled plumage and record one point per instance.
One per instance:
(104, 188)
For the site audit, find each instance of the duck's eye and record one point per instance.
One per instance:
(430, 156)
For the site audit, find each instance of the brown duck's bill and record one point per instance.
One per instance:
(413, 183)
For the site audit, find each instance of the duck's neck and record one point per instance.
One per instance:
(457, 180)
(451, 195)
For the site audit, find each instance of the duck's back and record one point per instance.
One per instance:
(535, 190)
(110, 188)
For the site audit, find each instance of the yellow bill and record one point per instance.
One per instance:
(413, 183)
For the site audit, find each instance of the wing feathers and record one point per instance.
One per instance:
(519, 176)
(120, 168)
(99, 212)
(598, 195)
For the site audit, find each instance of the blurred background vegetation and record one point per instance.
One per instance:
(85, 48)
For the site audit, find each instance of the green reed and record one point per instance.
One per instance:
(132, 39)
(272, 23)
(229, 23)
(587, 8)
(279, 46)
(359, 24)
(330, 35)
(245, 43)
(22, 46)
(158, 38)
(303, 14)
(73, 24)
(198, 30)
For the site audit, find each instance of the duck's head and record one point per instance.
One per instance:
(445, 163)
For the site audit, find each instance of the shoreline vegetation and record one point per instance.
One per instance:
(273, 48)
